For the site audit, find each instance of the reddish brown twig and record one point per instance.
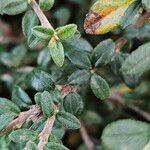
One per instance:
(116, 97)
(44, 21)
(88, 142)
(44, 135)
(22, 118)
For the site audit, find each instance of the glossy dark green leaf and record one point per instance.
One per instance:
(117, 62)
(103, 53)
(78, 44)
(79, 77)
(129, 134)
(79, 59)
(20, 97)
(44, 57)
(92, 117)
(57, 51)
(136, 64)
(40, 80)
(23, 135)
(73, 104)
(68, 120)
(99, 87)
(8, 106)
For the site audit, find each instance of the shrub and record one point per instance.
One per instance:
(54, 81)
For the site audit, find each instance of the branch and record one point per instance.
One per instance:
(46, 132)
(116, 97)
(88, 142)
(22, 118)
(40, 14)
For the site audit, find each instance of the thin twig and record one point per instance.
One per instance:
(44, 135)
(40, 14)
(120, 43)
(116, 97)
(22, 118)
(88, 142)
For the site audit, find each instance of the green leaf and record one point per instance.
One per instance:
(99, 87)
(78, 44)
(30, 146)
(44, 57)
(55, 96)
(131, 15)
(40, 80)
(136, 64)
(8, 106)
(57, 51)
(36, 43)
(38, 125)
(47, 104)
(128, 134)
(73, 104)
(92, 117)
(46, 4)
(141, 33)
(55, 146)
(37, 98)
(79, 77)
(42, 32)
(117, 62)
(146, 4)
(29, 20)
(68, 120)
(103, 53)
(59, 132)
(23, 135)
(20, 97)
(66, 15)
(79, 59)
(53, 138)
(6, 118)
(15, 57)
(66, 32)
(15, 7)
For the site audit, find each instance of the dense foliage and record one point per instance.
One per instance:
(63, 88)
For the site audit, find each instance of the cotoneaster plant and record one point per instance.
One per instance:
(67, 68)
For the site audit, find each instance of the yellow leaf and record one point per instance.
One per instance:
(105, 16)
